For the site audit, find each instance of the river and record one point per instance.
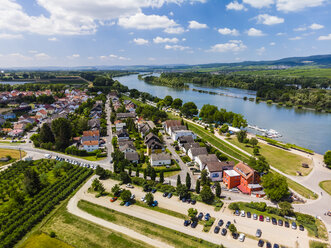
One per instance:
(304, 128)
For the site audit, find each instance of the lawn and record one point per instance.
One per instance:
(154, 231)
(14, 154)
(212, 139)
(282, 160)
(316, 244)
(83, 234)
(42, 240)
(326, 185)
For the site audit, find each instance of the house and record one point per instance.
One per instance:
(41, 114)
(231, 178)
(193, 153)
(94, 123)
(16, 132)
(122, 135)
(9, 115)
(120, 126)
(179, 133)
(176, 128)
(144, 129)
(20, 125)
(187, 146)
(171, 123)
(215, 171)
(124, 142)
(153, 144)
(202, 160)
(185, 139)
(123, 116)
(133, 157)
(127, 148)
(249, 180)
(90, 145)
(160, 159)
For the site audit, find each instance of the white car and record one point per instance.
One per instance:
(129, 186)
(241, 237)
(242, 213)
(49, 156)
(267, 219)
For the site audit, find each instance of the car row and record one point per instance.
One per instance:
(168, 195)
(261, 242)
(188, 200)
(74, 162)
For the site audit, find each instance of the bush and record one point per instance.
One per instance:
(52, 234)
(234, 206)
(260, 206)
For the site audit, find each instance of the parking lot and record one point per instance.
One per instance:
(71, 161)
(286, 237)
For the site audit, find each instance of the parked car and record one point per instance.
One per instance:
(127, 204)
(261, 218)
(113, 199)
(268, 245)
(193, 202)
(249, 215)
(165, 194)
(294, 225)
(241, 237)
(228, 224)
(142, 199)
(267, 219)
(187, 222)
(276, 246)
(200, 216)
(255, 216)
(132, 196)
(287, 224)
(260, 243)
(224, 231)
(188, 200)
(194, 224)
(207, 217)
(183, 199)
(280, 223)
(301, 228)
(235, 235)
(258, 233)
(220, 222)
(129, 186)
(242, 213)
(154, 204)
(274, 221)
(153, 191)
(169, 195)
(237, 213)
(216, 229)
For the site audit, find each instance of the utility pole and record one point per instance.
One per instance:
(20, 153)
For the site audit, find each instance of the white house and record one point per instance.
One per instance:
(193, 153)
(215, 171)
(202, 160)
(91, 145)
(120, 126)
(176, 134)
(160, 159)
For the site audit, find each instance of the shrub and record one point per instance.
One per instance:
(260, 206)
(234, 206)
(52, 234)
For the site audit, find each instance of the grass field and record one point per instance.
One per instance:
(316, 244)
(282, 160)
(326, 185)
(154, 231)
(84, 234)
(209, 137)
(42, 240)
(14, 154)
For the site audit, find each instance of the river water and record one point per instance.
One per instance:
(304, 128)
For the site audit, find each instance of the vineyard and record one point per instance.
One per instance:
(20, 209)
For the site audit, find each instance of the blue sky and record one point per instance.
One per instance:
(143, 32)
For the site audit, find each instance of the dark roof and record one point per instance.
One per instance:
(178, 128)
(122, 133)
(214, 166)
(160, 156)
(153, 144)
(132, 156)
(208, 158)
(187, 146)
(151, 136)
(125, 115)
(185, 139)
(122, 148)
(170, 123)
(198, 151)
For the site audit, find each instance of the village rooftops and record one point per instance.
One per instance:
(91, 143)
(244, 170)
(187, 146)
(125, 115)
(232, 173)
(198, 151)
(171, 123)
(160, 156)
(214, 166)
(91, 133)
(132, 156)
(185, 139)
(206, 158)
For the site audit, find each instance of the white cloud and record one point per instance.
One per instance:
(171, 13)
(113, 56)
(297, 5)
(316, 26)
(159, 39)
(269, 20)
(261, 50)
(175, 47)
(259, 3)
(296, 38)
(272, 43)
(174, 30)
(142, 21)
(151, 59)
(74, 56)
(53, 39)
(90, 57)
(140, 41)
(42, 56)
(280, 34)
(235, 6)
(231, 46)
(196, 25)
(5, 36)
(325, 37)
(255, 32)
(300, 29)
(227, 31)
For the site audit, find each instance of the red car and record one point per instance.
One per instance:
(113, 199)
(261, 218)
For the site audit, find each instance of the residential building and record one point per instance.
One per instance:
(187, 146)
(122, 135)
(120, 126)
(133, 157)
(231, 178)
(123, 116)
(90, 145)
(153, 144)
(179, 133)
(170, 123)
(249, 180)
(193, 153)
(160, 159)
(202, 160)
(185, 139)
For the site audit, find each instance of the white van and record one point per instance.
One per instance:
(49, 156)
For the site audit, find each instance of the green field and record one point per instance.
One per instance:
(166, 235)
(326, 185)
(293, 72)
(282, 160)
(42, 240)
(316, 244)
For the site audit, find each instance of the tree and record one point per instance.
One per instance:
(153, 174)
(126, 195)
(168, 100)
(137, 172)
(62, 131)
(178, 181)
(260, 165)
(145, 174)
(189, 109)
(46, 134)
(188, 181)
(182, 191)
(224, 128)
(197, 187)
(286, 208)
(206, 194)
(101, 172)
(232, 228)
(234, 206)
(149, 199)
(177, 103)
(218, 189)
(253, 141)
(130, 171)
(241, 136)
(31, 181)
(256, 151)
(275, 186)
(192, 213)
(161, 176)
(327, 159)
(125, 178)
(116, 189)
(204, 177)
(98, 186)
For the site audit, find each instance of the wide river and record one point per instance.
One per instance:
(305, 128)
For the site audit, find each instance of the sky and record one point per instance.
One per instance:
(36, 33)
